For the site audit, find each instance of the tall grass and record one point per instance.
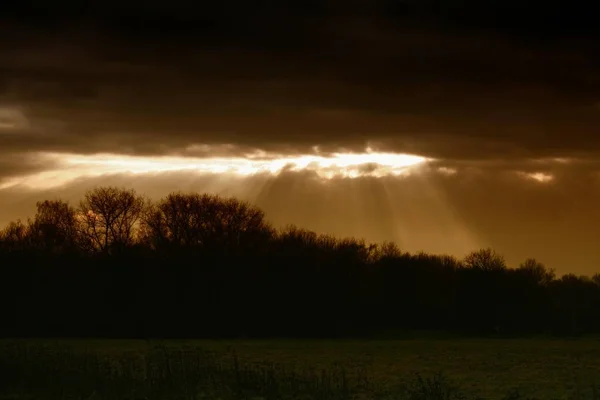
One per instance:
(161, 372)
(188, 373)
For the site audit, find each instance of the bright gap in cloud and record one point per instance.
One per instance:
(335, 165)
(447, 170)
(541, 177)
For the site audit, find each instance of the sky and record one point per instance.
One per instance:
(443, 126)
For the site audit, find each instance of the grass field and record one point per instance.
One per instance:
(344, 369)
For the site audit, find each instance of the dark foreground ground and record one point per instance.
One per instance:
(280, 369)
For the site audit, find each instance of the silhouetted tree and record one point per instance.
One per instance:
(200, 265)
(537, 272)
(55, 226)
(205, 220)
(108, 216)
(485, 260)
(596, 279)
(15, 236)
(388, 250)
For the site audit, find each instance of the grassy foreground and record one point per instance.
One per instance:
(281, 369)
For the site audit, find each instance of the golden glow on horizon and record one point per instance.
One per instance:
(67, 167)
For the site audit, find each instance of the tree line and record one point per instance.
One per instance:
(200, 265)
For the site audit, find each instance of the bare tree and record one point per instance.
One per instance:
(537, 271)
(389, 251)
(54, 226)
(109, 215)
(240, 223)
(486, 260)
(292, 236)
(15, 236)
(179, 219)
(204, 220)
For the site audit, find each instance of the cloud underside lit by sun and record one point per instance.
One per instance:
(59, 169)
(68, 167)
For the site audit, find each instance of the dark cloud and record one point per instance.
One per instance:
(15, 165)
(317, 75)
